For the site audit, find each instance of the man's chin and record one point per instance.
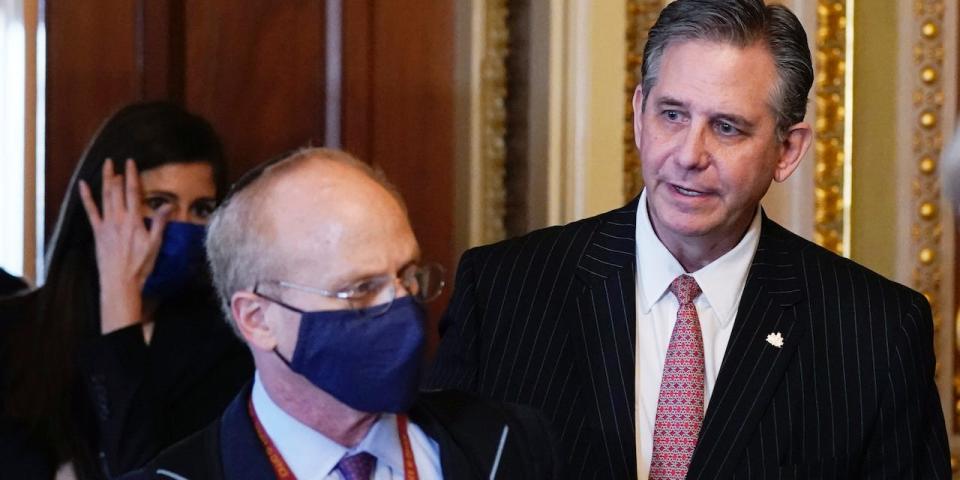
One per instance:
(691, 231)
(686, 226)
(678, 222)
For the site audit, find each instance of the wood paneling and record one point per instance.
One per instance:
(358, 70)
(31, 22)
(161, 38)
(255, 70)
(92, 70)
(405, 125)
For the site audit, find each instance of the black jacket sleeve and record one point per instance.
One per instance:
(147, 397)
(909, 440)
(115, 368)
(197, 456)
(455, 364)
(480, 438)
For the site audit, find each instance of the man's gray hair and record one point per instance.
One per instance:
(741, 23)
(240, 235)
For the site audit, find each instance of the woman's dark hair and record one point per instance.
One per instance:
(43, 389)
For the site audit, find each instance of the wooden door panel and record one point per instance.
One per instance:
(403, 121)
(255, 69)
(93, 68)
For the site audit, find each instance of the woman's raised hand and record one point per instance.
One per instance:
(126, 248)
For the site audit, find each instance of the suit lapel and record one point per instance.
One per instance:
(242, 452)
(752, 366)
(453, 460)
(243, 455)
(604, 317)
(466, 438)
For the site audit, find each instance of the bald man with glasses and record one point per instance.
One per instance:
(320, 274)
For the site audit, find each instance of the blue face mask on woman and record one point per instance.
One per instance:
(370, 364)
(181, 259)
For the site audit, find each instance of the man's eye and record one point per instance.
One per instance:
(366, 288)
(154, 203)
(725, 128)
(671, 115)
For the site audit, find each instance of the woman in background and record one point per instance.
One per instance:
(123, 350)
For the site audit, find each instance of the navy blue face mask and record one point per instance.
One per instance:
(180, 260)
(369, 364)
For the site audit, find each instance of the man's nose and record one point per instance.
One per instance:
(401, 289)
(692, 152)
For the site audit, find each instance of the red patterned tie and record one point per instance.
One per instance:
(680, 407)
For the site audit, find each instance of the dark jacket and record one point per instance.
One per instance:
(148, 397)
(549, 319)
(467, 430)
(134, 399)
(10, 284)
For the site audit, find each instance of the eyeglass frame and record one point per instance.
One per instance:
(250, 177)
(389, 281)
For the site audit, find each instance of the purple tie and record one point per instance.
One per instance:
(357, 467)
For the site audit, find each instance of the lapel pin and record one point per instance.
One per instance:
(775, 339)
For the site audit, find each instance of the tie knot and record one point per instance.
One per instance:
(685, 288)
(357, 467)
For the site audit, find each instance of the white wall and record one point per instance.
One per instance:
(12, 135)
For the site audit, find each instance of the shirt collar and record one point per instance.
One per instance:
(383, 442)
(307, 451)
(656, 266)
(721, 281)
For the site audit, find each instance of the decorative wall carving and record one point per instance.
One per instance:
(493, 93)
(926, 137)
(641, 15)
(831, 146)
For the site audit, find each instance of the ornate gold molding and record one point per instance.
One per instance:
(641, 15)
(833, 142)
(493, 93)
(927, 111)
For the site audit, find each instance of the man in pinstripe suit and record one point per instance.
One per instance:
(802, 363)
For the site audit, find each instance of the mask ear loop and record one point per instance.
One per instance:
(282, 358)
(288, 307)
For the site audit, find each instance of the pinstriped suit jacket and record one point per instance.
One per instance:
(548, 320)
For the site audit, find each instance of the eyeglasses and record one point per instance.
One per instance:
(371, 298)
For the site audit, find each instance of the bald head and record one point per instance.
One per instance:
(316, 217)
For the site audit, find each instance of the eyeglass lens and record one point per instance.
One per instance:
(424, 283)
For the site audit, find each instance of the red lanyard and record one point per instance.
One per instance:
(283, 471)
(409, 464)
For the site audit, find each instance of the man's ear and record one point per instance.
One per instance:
(637, 114)
(247, 310)
(794, 145)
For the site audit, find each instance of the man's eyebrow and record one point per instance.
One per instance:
(735, 119)
(670, 102)
(739, 120)
(348, 278)
(354, 275)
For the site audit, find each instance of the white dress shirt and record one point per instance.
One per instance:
(312, 456)
(721, 282)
